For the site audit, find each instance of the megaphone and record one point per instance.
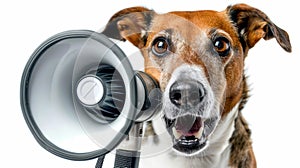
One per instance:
(80, 95)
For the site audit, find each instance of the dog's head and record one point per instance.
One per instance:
(198, 59)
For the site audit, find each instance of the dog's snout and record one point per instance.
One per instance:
(186, 94)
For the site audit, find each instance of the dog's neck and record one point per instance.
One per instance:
(217, 154)
(219, 140)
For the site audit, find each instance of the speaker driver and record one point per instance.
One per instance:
(103, 94)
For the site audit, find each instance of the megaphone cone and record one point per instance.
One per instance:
(80, 95)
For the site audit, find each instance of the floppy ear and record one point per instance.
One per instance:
(130, 24)
(252, 25)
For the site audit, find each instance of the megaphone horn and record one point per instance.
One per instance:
(80, 95)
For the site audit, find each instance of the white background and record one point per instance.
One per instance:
(272, 111)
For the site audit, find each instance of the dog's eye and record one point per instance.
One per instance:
(160, 46)
(222, 46)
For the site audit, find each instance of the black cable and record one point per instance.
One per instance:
(100, 161)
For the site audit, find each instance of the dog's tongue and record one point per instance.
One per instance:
(188, 125)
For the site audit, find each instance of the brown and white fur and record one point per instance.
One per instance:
(198, 59)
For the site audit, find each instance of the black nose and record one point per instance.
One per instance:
(186, 94)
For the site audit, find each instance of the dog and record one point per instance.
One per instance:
(198, 57)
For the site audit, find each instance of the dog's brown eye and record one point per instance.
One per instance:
(160, 46)
(222, 46)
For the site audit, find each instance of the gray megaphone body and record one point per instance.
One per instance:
(80, 96)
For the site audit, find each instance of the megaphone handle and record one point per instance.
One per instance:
(128, 153)
(127, 158)
(124, 158)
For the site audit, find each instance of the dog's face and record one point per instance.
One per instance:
(190, 60)
(198, 59)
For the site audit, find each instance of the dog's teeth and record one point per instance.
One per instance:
(175, 133)
(199, 133)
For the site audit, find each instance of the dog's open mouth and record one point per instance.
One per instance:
(190, 133)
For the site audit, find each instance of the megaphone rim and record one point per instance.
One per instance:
(27, 114)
